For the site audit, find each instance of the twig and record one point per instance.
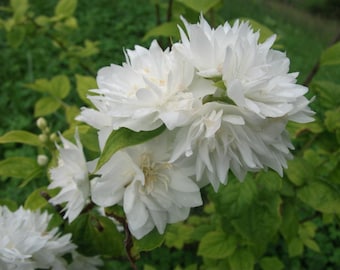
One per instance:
(128, 238)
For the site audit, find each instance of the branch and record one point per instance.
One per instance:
(128, 242)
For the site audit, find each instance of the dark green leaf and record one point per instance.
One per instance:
(270, 263)
(242, 259)
(96, 235)
(295, 247)
(124, 137)
(20, 136)
(11, 205)
(328, 93)
(16, 36)
(150, 241)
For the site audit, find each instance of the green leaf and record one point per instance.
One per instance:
(71, 112)
(16, 36)
(270, 263)
(265, 32)
(18, 167)
(320, 196)
(295, 247)
(84, 84)
(328, 93)
(20, 136)
(88, 136)
(150, 241)
(36, 199)
(65, 8)
(331, 56)
(19, 8)
(242, 259)
(168, 29)
(310, 243)
(177, 235)
(200, 5)
(124, 137)
(45, 106)
(11, 205)
(40, 85)
(290, 223)
(217, 245)
(299, 171)
(332, 120)
(96, 235)
(60, 86)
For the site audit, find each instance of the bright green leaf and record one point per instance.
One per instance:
(88, 136)
(299, 171)
(242, 260)
(84, 84)
(150, 241)
(45, 106)
(217, 245)
(270, 263)
(295, 247)
(19, 8)
(18, 167)
(96, 235)
(71, 112)
(310, 243)
(65, 8)
(177, 235)
(40, 85)
(60, 86)
(124, 137)
(332, 120)
(20, 136)
(200, 5)
(16, 36)
(11, 205)
(320, 196)
(38, 199)
(168, 29)
(331, 56)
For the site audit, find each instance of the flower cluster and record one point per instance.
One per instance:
(27, 244)
(225, 100)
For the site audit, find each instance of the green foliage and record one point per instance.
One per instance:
(331, 56)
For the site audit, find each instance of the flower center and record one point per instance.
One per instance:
(153, 173)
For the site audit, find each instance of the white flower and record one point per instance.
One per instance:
(153, 191)
(224, 137)
(25, 242)
(153, 87)
(71, 176)
(255, 76)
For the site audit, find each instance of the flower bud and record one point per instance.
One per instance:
(53, 137)
(41, 123)
(43, 138)
(42, 160)
(46, 130)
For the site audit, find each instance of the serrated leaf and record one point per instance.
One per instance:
(18, 167)
(168, 29)
(320, 196)
(270, 263)
(299, 171)
(150, 241)
(124, 137)
(84, 84)
(295, 247)
(177, 235)
(200, 5)
(242, 260)
(331, 56)
(96, 235)
(217, 245)
(328, 93)
(65, 8)
(20, 136)
(45, 106)
(60, 86)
